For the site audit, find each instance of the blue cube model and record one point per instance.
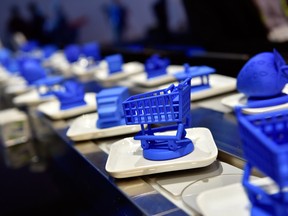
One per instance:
(109, 106)
(170, 107)
(156, 66)
(114, 63)
(92, 50)
(71, 95)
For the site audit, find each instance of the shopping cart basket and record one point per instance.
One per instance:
(169, 107)
(265, 146)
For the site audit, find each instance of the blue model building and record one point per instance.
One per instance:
(109, 107)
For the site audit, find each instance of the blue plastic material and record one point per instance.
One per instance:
(109, 107)
(265, 146)
(5, 54)
(156, 66)
(29, 46)
(31, 70)
(114, 63)
(49, 50)
(71, 96)
(203, 72)
(263, 76)
(72, 52)
(92, 50)
(166, 106)
(48, 85)
(11, 65)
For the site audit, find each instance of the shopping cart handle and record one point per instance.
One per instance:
(170, 88)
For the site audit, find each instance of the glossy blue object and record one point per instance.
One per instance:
(92, 50)
(263, 76)
(49, 50)
(203, 72)
(109, 107)
(170, 106)
(114, 63)
(31, 70)
(265, 145)
(71, 95)
(72, 52)
(29, 46)
(156, 66)
(5, 54)
(48, 85)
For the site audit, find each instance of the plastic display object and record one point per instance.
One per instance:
(31, 70)
(5, 54)
(48, 50)
(48, 85)
(109, 105)
(72, 95)
(263, 76)
(203, 72)
(114, 63)
(156, 66)
(29, 46)
(265, 146)
(92, 50)
(167, 106)
(72, 52)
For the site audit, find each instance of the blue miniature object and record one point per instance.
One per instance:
(196, 71)
(156, 66)
(31, 70)
(72, 52)
(29, 46)
(265, 146)
(170, 107)
(71, 96)
(5, 54)
(114, 63)
(92, 50)
(47, 86)
(263, 76)
(48, 50)
(109, 107)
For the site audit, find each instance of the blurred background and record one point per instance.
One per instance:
(225, 26)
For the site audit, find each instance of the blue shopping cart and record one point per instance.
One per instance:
(265, 146)
(168, 107)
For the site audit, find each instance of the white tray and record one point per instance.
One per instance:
(126, 158)
(85, 128)
(240, 100)
(142, 80)
(129, 69)
(31, 98)
(229, 200)
(52, 108)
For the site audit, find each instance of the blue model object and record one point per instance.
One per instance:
(156, 66)
(5, 54)
(48, 50)
(265, 146)
(167, 106)
(71, 95)
(203, 72)
(72, 52)
(263, 76)
(29, 46)
(48, 85)
(92, 50)
(31, 70)
(114, 63)
(109, 107)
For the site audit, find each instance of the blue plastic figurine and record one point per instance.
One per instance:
(48, 85)
(170, 107)
(91, 50)
(72, 95)
(109, 107)
(31, 70)
(265, 147)
(263, 76)
(156, 66)
(114, 63)
(196, 71)
(72, 52)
